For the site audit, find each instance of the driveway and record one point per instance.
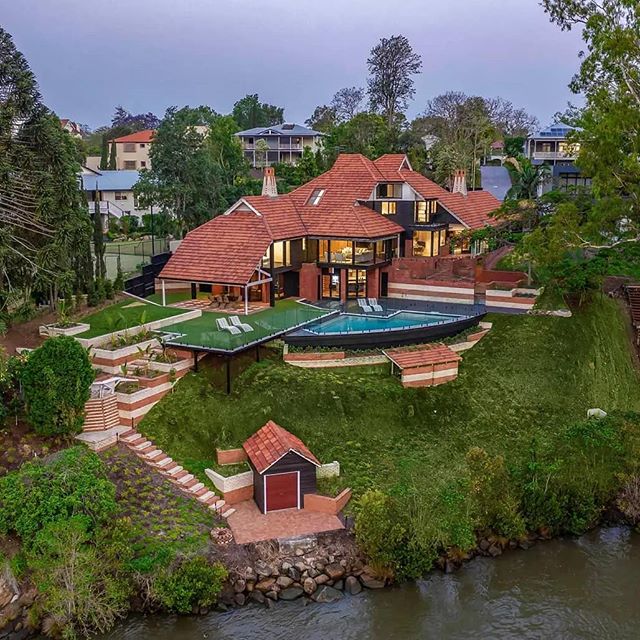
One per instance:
(496, 180)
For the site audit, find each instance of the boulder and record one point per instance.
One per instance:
(285, 566)
(284, 582)
(294, 574)
(312, 573)
(6, 592)
(339, 585)
(292, 593)
(494, 550)
(322, 579)
(249, 573)
(263, 570)
(335, 571)
(301, 567)
(240, 599)
(265, 585)
(309, 586)
(370, 582)
(352, 586)
(257, 596)
(327, 594)
(272, 595)
(239, 585)
(299, 552)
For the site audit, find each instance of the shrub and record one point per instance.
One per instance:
(101, 293)
(56, 381)
(193, 583)
(108, 289)
(92, 296)
(118, 283)
(384, 533)
(70, 483)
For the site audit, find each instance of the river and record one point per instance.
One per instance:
(582, 589)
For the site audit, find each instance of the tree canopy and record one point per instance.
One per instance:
(249, 112)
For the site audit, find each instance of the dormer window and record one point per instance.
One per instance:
(316, 196)
(389, 190)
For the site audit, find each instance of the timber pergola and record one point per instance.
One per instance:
(263, 277)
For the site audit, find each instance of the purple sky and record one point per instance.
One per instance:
(150, 54)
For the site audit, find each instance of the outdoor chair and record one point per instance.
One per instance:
(236, 322)
(373, 303)
(364, 306)
(223, 325)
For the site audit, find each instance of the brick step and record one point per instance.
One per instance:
(185, 479)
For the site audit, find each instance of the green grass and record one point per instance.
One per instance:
(121, 316)
(529, 376)
(203, 331)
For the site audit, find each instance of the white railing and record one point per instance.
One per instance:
(554, 155)
(106, 208)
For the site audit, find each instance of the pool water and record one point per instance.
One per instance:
(352, 323)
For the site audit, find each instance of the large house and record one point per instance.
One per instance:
(332, 238)
(284, 143)
(114, 192)
(132, 150)
(552, 147)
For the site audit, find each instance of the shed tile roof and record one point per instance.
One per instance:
(225, 250)
(409, 358)
(146, 135)
(267, 445)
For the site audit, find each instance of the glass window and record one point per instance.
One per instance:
(129, 164)
(443, 237)
(341, 251)
(315, 197)
(323, 251)
(129, 147)
(142, 145)
(364, 252)
(388, 208)
(120, 195)
(389, 190)
(426, 243)
(357, 283)
(421, 213)
(381, 252)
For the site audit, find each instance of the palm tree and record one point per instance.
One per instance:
(526, 178)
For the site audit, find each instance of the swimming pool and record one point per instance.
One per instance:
(358, 323)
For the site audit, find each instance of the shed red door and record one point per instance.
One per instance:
(281, 491)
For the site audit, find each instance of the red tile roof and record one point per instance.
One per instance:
(408, 358)
(270, 443)
(139, 136)
(473, 210)
(225, 250)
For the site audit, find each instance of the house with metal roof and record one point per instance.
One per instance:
(113, 190)
(266, 146)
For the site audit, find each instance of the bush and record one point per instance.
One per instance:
(92, 295)
(101, 292)
(384, 533)
(118, 283)
(108, 289)
(193, 583)
(56, 381)
(70, 483)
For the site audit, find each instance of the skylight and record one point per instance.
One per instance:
(315, 197)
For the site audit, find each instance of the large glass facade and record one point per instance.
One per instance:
(357, 283)
(364, 252)
(349, 252)
(427, 244)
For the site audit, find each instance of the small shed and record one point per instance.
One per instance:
(425, 366)
(284, 469)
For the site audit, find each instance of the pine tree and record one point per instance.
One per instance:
(112, 156)
(104, 153)
(98, 240)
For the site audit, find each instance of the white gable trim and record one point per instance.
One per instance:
(287, 453)
(235, 206)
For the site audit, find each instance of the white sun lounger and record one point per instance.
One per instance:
(223, 325)
(364, 306)
(373, 303)
(236, 322)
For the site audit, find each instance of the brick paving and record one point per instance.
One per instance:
(249, 525)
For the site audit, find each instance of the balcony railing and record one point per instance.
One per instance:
(107, 208)
(282, 147)
(555, 155)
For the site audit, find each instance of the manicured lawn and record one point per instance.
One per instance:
(528, 378)
(124, 315)
(204, 332)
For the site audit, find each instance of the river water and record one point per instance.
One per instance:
(586, 588)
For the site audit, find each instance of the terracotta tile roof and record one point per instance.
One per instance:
(280, 215)
(139, 136)
(422, 357)
(267, 445)
(225, 250)
(473, 210)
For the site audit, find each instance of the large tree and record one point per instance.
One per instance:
(392, 65)
(366, 133)
(322, 119)
(249, 112)
(347, 103)
(608, 127)
(196, 162)
(45, 228)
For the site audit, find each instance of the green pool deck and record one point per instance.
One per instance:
(203, 333)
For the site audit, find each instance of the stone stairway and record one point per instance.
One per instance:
(101, 413)
(633, 291)
(164, 465)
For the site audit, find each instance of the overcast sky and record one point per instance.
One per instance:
(151, 54)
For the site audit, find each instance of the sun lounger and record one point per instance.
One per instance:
(223, 325)
(236, 322)
(373, 303)
(364, 306)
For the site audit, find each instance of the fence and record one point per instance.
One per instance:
(132, 255)
(143, 285)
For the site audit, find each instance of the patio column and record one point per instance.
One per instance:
(246, 300)
(164, 295)
(272, 291)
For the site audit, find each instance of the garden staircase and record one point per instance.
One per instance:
(101, 413)
(633, 291)
(163, 464)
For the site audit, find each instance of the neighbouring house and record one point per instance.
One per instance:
(552, 147)
(335, 237)
(284, 470)
(496, 150)
(114, 192)
(284, 143)
(73, 128)
(132, 150)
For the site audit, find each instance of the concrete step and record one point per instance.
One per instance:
(142, 445)
(207, 496)
(219, 504)
(196, 487)
(175, 471)
(156, 455)
(185, 479)
(227, 512)
(201, 491)
(191, 483)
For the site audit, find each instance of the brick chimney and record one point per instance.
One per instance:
(269, 185)
(459, 182)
